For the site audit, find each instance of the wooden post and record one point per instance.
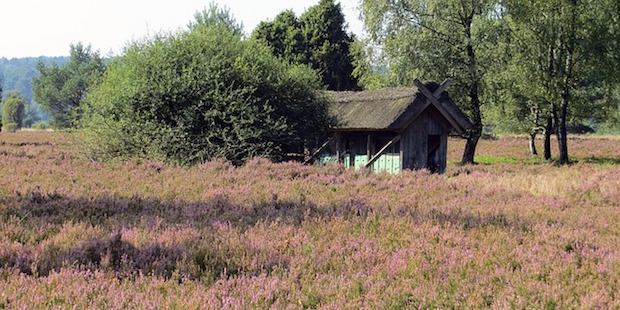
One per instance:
(368, 150)
(338, 145)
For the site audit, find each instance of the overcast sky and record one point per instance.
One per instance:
(32, 28)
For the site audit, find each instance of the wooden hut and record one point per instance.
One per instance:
(393, 129)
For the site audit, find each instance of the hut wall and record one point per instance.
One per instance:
(438, 125)
(355, 149)
(443, 152)
(424, 142)
(414, 144)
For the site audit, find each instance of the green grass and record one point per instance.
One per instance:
(493, 160)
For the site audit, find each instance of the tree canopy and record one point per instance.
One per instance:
(435, 40)
(317, 38)
(202, 94)
(566, 52)
(534, 65)
(217, 17)
(61, 90)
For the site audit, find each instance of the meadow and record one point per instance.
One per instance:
(511, 232)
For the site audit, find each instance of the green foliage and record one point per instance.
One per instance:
(41, 125)
(13, 112)
(610, 123)
(218, 17)
(285, 37)
(61, 90)
(427, 40)
(206, 93)
(563, 61)
(17, 74)
(324, 29)
(367, 74)
(435, 40)
(32, 114)
(318, 38)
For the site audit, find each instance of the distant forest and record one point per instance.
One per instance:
(16, 75)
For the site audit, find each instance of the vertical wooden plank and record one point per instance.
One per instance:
(434, 127)
(386, 161)
(424, 138)
(396, 167)
(443, 153)
(410, 148)
(403, 147)
(416, 144)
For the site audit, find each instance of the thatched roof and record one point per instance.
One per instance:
(389, 109)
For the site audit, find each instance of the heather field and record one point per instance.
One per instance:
(511, 232)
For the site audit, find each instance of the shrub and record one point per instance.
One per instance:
(41, 125)
(10, 127)
(13, 113)
(206, 93)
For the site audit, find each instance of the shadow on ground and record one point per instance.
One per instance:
(207, 257)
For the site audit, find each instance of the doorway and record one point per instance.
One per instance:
(432, 159)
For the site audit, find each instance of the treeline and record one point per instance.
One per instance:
(535, 67)
(16, 76)
(519, 65)
(202, 93)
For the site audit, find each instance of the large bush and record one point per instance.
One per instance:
(13, 112)
(202, 94)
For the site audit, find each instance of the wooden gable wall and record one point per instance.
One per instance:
(428, 132)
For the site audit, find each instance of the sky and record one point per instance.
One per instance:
(32, 28)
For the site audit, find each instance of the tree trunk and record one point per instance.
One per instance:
(474, 101)
(533, 149)
(562, 139)
(566, 87)
(474, 134)
(470, 149)
(547, 143)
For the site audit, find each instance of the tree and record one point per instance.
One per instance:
(206, 93)
(12, 112)
(61, 90)
(567, 54)
(611, 112)
(520, 103)
(218, 17)
(369, 75)
(324, 29)
(318, 39)
(285, 37)
(32, 114)
(434, 39)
